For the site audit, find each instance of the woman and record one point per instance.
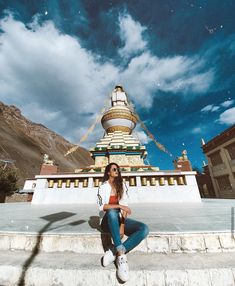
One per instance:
(112, 201)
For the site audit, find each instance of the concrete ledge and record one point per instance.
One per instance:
(145, 269)
(95, 243)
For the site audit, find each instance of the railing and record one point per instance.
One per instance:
(132, 181)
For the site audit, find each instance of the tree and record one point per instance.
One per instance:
(8, 181)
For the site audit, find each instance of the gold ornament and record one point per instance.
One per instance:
(51, 184)
(59, 184)
(67, 185)
(76, 183)
(112, 129)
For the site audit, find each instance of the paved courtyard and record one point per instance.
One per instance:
(211, 215)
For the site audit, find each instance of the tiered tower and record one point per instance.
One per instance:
(118, 144)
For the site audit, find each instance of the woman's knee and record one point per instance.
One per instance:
(112, 213)
(144, 230)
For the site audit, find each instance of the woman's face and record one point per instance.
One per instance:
(113, 171)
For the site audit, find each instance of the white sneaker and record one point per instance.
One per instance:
(108, 258)
(122, 268)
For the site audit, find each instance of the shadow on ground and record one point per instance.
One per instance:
(52, 218)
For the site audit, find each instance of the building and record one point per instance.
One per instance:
(146, 183)
(220, 153)
(204, 182)
(182, 163)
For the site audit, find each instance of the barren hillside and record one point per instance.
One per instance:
(26, 142)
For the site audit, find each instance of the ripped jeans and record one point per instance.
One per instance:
(135, 230)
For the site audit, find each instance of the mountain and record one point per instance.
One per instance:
(26, 142)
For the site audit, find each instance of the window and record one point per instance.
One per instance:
(224, 183)
(216, 158)
(231, 150)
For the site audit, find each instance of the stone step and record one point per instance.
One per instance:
(54, 269)
(96, 243)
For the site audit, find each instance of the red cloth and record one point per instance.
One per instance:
(113, 200)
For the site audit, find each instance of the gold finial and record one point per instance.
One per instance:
(119, 88)
(202, 142)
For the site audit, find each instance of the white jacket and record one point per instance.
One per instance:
(103, 195)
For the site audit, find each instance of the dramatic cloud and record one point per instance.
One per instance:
(48, 75)
(210, 108)
(227, 117)
(131, 35)
(59, 83)
(146, 74)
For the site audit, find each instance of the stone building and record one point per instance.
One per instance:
(220, 153)
(204, 182)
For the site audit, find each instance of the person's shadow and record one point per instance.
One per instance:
(51, 219)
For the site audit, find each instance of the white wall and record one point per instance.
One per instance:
(136, 195)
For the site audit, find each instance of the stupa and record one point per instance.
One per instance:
(118, 144)
(146, 183)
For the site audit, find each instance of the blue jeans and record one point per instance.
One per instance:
(135, 230)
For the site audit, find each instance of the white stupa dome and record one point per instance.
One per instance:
(119, 117)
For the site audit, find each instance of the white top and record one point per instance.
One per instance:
(103, 195)
(119, 98)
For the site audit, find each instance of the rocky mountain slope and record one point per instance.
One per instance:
(26, 142)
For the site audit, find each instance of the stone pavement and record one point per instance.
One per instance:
(188, 244)
(69, 269)
(212, 215)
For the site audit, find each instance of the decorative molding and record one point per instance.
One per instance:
(113, 114)
(112, 129)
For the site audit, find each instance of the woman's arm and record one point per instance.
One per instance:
(122, 225)
(117, 206)
(111, 206)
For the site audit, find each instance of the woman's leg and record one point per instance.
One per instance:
(113, 221)
(136, 232)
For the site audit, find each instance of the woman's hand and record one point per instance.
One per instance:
(125, 209)
(122, 226)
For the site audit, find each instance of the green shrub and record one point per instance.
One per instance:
(8, 180)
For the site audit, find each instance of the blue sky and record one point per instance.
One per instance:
(59, 60)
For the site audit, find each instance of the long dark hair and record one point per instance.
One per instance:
(118, 182)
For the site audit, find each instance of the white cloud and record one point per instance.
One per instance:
(147, 74)
(40, 114)
(210, 108)
(227, 103)
(131, 35)
(207, 108)
(48, 75)
(227, 117)
(215, 108)
(141, 136)
(57, 82)
(92, 137)
(197, 130)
